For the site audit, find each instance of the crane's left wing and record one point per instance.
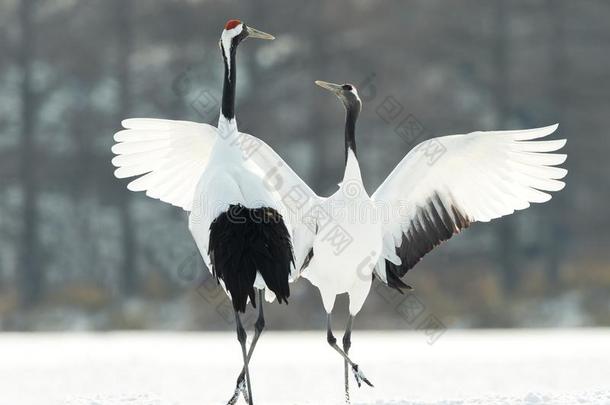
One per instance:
(444, 184)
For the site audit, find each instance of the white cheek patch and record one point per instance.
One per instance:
(226, 38)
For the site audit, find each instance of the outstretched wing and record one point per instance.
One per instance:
(167, 156)
(444, 184)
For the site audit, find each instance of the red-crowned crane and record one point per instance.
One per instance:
(218, 174)
(479, 177)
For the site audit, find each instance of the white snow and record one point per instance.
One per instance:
(462, 367)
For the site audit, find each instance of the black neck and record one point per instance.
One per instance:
(228, 87)
(352, 111)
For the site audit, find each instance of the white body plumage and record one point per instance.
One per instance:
(230, 178)
(348, 245)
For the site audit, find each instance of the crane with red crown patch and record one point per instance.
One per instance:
(237, 223)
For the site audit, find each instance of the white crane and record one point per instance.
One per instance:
(218, 174)
(480, 176)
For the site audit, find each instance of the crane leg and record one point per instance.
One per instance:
(347, 343)
(240, 386)
(241, 337)
(332, 341)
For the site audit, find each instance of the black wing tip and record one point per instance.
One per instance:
(430, 226)
(393, 278)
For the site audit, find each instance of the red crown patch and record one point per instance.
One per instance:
(232, 24)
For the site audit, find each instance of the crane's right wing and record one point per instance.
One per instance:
(167, 156)
(297, 200)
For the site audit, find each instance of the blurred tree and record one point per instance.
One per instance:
(556, 229)
(124, 22)
(31, 268)
(507, 243)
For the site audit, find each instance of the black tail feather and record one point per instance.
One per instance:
(244, 241)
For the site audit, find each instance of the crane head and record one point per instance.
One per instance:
(346, 92)
(236, 31)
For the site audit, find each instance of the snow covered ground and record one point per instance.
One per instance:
(462, 367)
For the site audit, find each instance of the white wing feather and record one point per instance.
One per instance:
(168, 156)
(445, 183)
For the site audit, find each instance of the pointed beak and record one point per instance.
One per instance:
(335, 88)
(254, 33)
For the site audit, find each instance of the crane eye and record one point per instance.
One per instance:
(347, 87)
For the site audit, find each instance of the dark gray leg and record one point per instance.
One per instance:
(347, 343)
(241, 337)
(332, 341)
(258, 330)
